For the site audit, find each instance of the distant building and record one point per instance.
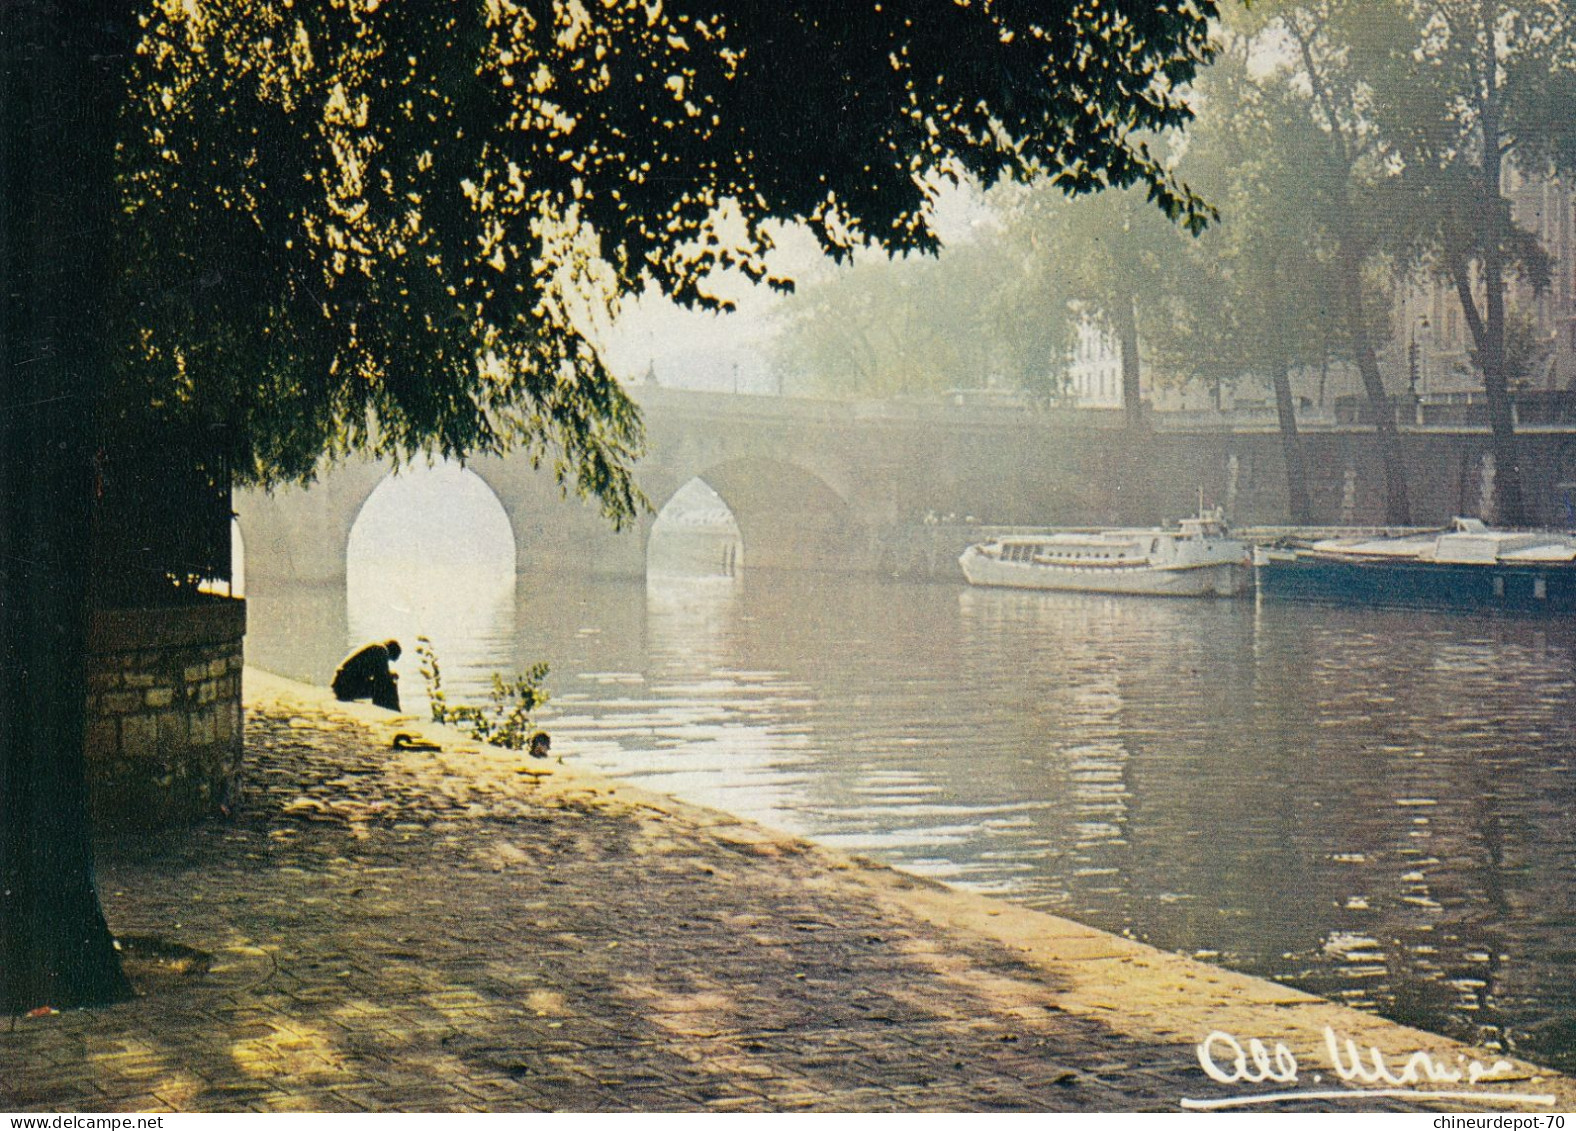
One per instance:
(1430, 350)
(1094, 369)
(1094, 380)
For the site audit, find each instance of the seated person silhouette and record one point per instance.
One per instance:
(365, 674)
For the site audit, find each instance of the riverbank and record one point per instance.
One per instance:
(464, 929)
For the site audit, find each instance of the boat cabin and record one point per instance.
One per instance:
(1206, 524)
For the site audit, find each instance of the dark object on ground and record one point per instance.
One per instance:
(541, 744)
(365, 674)
(154, 964)
(403, 741)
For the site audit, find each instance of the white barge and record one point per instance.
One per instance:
(1199, 559)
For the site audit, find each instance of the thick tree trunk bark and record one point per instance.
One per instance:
(1298, 508)
(1397, 507)
(57, 201)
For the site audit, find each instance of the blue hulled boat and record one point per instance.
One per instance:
(1469, 567)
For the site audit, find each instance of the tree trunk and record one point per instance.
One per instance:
(1298, 508)
(1125, 317)
(1488, 329)
(57, 203)
(1489, 340)
(1397, 508)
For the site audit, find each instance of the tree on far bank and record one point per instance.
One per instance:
(1425, 104)
(1009, 302)
(304, 229)
(1492, 87)
(1343, 52)
(891, 326)
(1258, 294)
(1108, 262)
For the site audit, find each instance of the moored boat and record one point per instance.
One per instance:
(1469, 566)
(1198, 559)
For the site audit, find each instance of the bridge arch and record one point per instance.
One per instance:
(443, 514)
(431, 553)
(299, 534)
(695, 534)
(788, 516)
(302, 535)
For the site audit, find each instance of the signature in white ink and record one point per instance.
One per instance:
(1227, 1060)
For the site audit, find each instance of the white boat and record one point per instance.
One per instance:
(1199, 559)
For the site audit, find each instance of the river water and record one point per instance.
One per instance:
(1373, 806)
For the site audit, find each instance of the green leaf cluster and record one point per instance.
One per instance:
(403, 227)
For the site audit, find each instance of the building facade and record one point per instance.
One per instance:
(1430, 351)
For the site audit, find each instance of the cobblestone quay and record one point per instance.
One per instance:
(454, 929)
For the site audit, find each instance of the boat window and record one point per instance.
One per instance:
(1154, 544)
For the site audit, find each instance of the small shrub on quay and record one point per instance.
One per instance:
(505, 721)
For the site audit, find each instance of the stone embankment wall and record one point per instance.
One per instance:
(164, 734)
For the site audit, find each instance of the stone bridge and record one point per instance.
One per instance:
(821, 484)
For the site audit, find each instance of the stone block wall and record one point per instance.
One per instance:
(164, 724)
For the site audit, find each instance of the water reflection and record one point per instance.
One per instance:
(1376, 807)
(469, 626)
(695, 719)
(299, 631)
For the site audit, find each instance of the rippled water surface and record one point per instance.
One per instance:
(1373, 806)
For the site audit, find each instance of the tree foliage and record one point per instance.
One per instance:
(1257, 289)
(398, 226)
(1345, 55)
(1006, 303)
(302, 228)
(1113, 261)
(1425, 103)
(1258, 295)
(914, 324)
(1491, 86)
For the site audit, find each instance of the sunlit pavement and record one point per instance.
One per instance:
(461, 930)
